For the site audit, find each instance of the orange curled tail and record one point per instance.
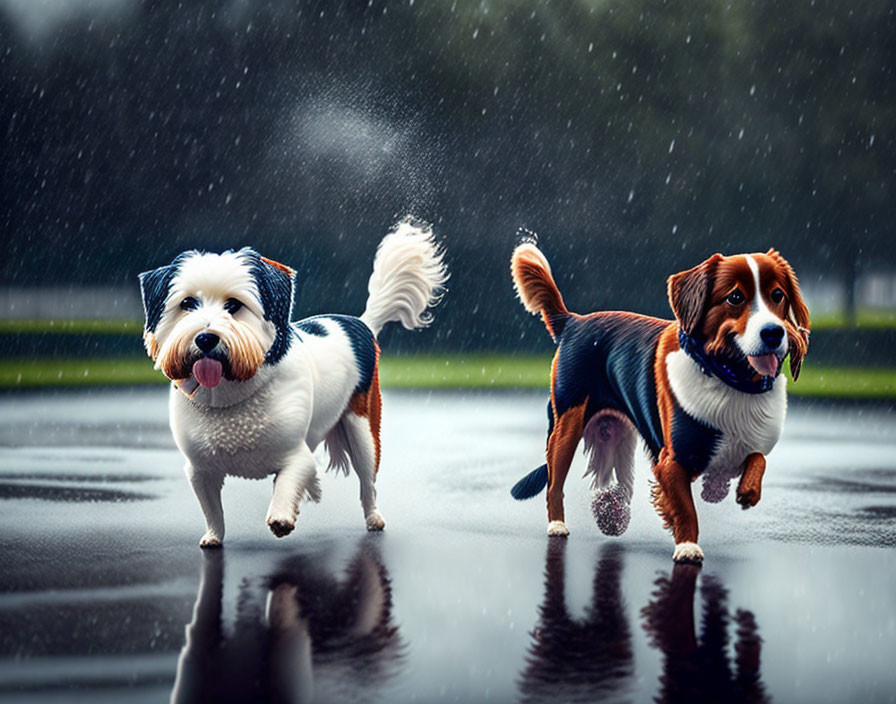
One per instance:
(535, 287)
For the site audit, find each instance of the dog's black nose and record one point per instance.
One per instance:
(772, 335)
(207, 341)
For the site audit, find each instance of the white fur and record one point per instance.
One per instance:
(273, 426)
(748, 422)
(558, 529)
(271, 423)
(687, 552)
(212, 279)
(408, 277)
(362, 452)
(336, 443)
(750, 342)
(610, 441)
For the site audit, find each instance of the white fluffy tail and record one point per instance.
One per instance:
(408, 277)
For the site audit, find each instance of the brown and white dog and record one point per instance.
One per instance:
(704, 391)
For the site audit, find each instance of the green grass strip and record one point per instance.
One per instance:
(451, 372)
(112, 326)
(844, 382)
(866, 318)
(67, 373)
(869, 318)
(424, 372)
(466, 372)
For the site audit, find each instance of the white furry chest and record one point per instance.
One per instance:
(748, 423)
(252, 438)
(227, 431)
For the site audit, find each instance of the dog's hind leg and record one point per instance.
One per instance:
(297, 480)
(562, 444)
(362, 448)
(207, 486)
(361, 423)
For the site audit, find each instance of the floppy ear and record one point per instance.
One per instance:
(689, 292)
(276, 288)
(797, 322)
(154, 291)
(154, 286)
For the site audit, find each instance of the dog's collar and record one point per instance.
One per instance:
(737, 374)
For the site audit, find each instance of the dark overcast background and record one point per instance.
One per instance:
(636, 137)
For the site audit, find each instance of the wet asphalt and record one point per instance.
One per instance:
(105, 595)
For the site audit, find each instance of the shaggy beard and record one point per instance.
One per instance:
(240, 352)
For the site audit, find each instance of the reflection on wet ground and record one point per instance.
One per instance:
(592, 658)
(288, 627)
(696, 668)
(105, 596)
(580, 660)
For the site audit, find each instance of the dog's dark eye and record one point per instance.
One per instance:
(189, 303)
(777, 295)
(231, 305)
(736, 297)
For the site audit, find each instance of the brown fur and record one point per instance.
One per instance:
(177, 362)
(673, 500)
(749, 490)
(277, 265)
(369, 405)
(688, 292)
(561, 449)
(151, 344)
(535, 286)
(698, 299)
(796, 321)
(667, 344)
(720, 319)
(246, 356)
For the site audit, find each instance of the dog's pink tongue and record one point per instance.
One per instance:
(208, 372)
(766, 364)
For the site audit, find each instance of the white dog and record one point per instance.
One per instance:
(254, 394)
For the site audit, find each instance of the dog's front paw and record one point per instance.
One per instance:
(748, 497)
(375, 522)
(281, 527)
(688, 553)
(557, 529)
(210, 540)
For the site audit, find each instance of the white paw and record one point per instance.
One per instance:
(281, 526)
(688, 552)
(375, 521)
(210, 540)
(558, 528)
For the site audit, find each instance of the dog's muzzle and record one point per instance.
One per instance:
(207, 370)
